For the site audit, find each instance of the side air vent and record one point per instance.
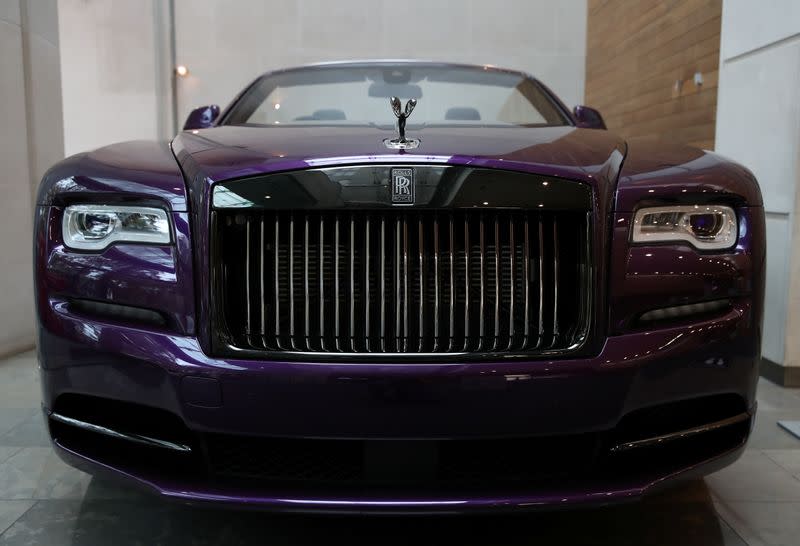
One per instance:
(123, 313)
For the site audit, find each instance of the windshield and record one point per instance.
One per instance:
(359, 95)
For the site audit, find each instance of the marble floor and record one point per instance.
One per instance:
(44, 502)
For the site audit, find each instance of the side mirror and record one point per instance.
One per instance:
(201, 118)
(588, 118)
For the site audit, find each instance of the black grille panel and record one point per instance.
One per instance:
(401, 281)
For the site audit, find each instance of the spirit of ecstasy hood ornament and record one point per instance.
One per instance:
(402, 143)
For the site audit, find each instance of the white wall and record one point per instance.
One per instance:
(30, 141)
(225, 47)
(758, 124)
(116, 59)
(113, 65)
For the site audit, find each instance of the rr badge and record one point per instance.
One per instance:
(402, 182)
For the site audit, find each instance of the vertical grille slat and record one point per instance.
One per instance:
(383, 284)
(421, 295)
(321, 269)
(410, 282)
(436, 310)
(406, 275)
(467, 251)
(512, 284)
(481, 309)
(276, 262)
(555, 283)
(248, 306)
(306, 294)
(398, 287)
(452, 317)
(498, 254)
(352, 292)
(367, 288)
(527, 270)
(291, 283)
(262, 281)
(540, 273)
(337, 299)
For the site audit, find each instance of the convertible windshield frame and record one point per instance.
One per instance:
(240, 110)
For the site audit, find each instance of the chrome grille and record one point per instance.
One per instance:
(401, 281)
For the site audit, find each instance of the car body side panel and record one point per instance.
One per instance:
(133, 171)
(660, 172)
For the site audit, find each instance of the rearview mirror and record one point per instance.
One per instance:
(400, 90)
(588, 118)
(201, 118)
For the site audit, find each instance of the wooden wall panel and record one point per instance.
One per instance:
(640, 63)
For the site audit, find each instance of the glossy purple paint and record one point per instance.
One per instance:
(202, 118)
(630, 367)
(588, 118)
(130, 171)
(595, 494)
(450, 399)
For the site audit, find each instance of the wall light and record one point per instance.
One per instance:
(181, 70)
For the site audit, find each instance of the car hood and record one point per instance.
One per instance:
(224, 153)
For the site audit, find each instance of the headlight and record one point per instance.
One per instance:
(706, 227)
(94, 227)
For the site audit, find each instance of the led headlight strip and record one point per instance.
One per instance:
(95, 227)
(706, 227)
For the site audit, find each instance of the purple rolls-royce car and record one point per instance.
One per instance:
(399, 286)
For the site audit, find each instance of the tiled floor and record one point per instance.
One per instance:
(44, 502)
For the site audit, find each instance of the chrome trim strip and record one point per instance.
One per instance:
(136, 438)
(680, 435)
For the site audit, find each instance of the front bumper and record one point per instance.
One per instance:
(482, 402)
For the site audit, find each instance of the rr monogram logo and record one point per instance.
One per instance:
(402, 183)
